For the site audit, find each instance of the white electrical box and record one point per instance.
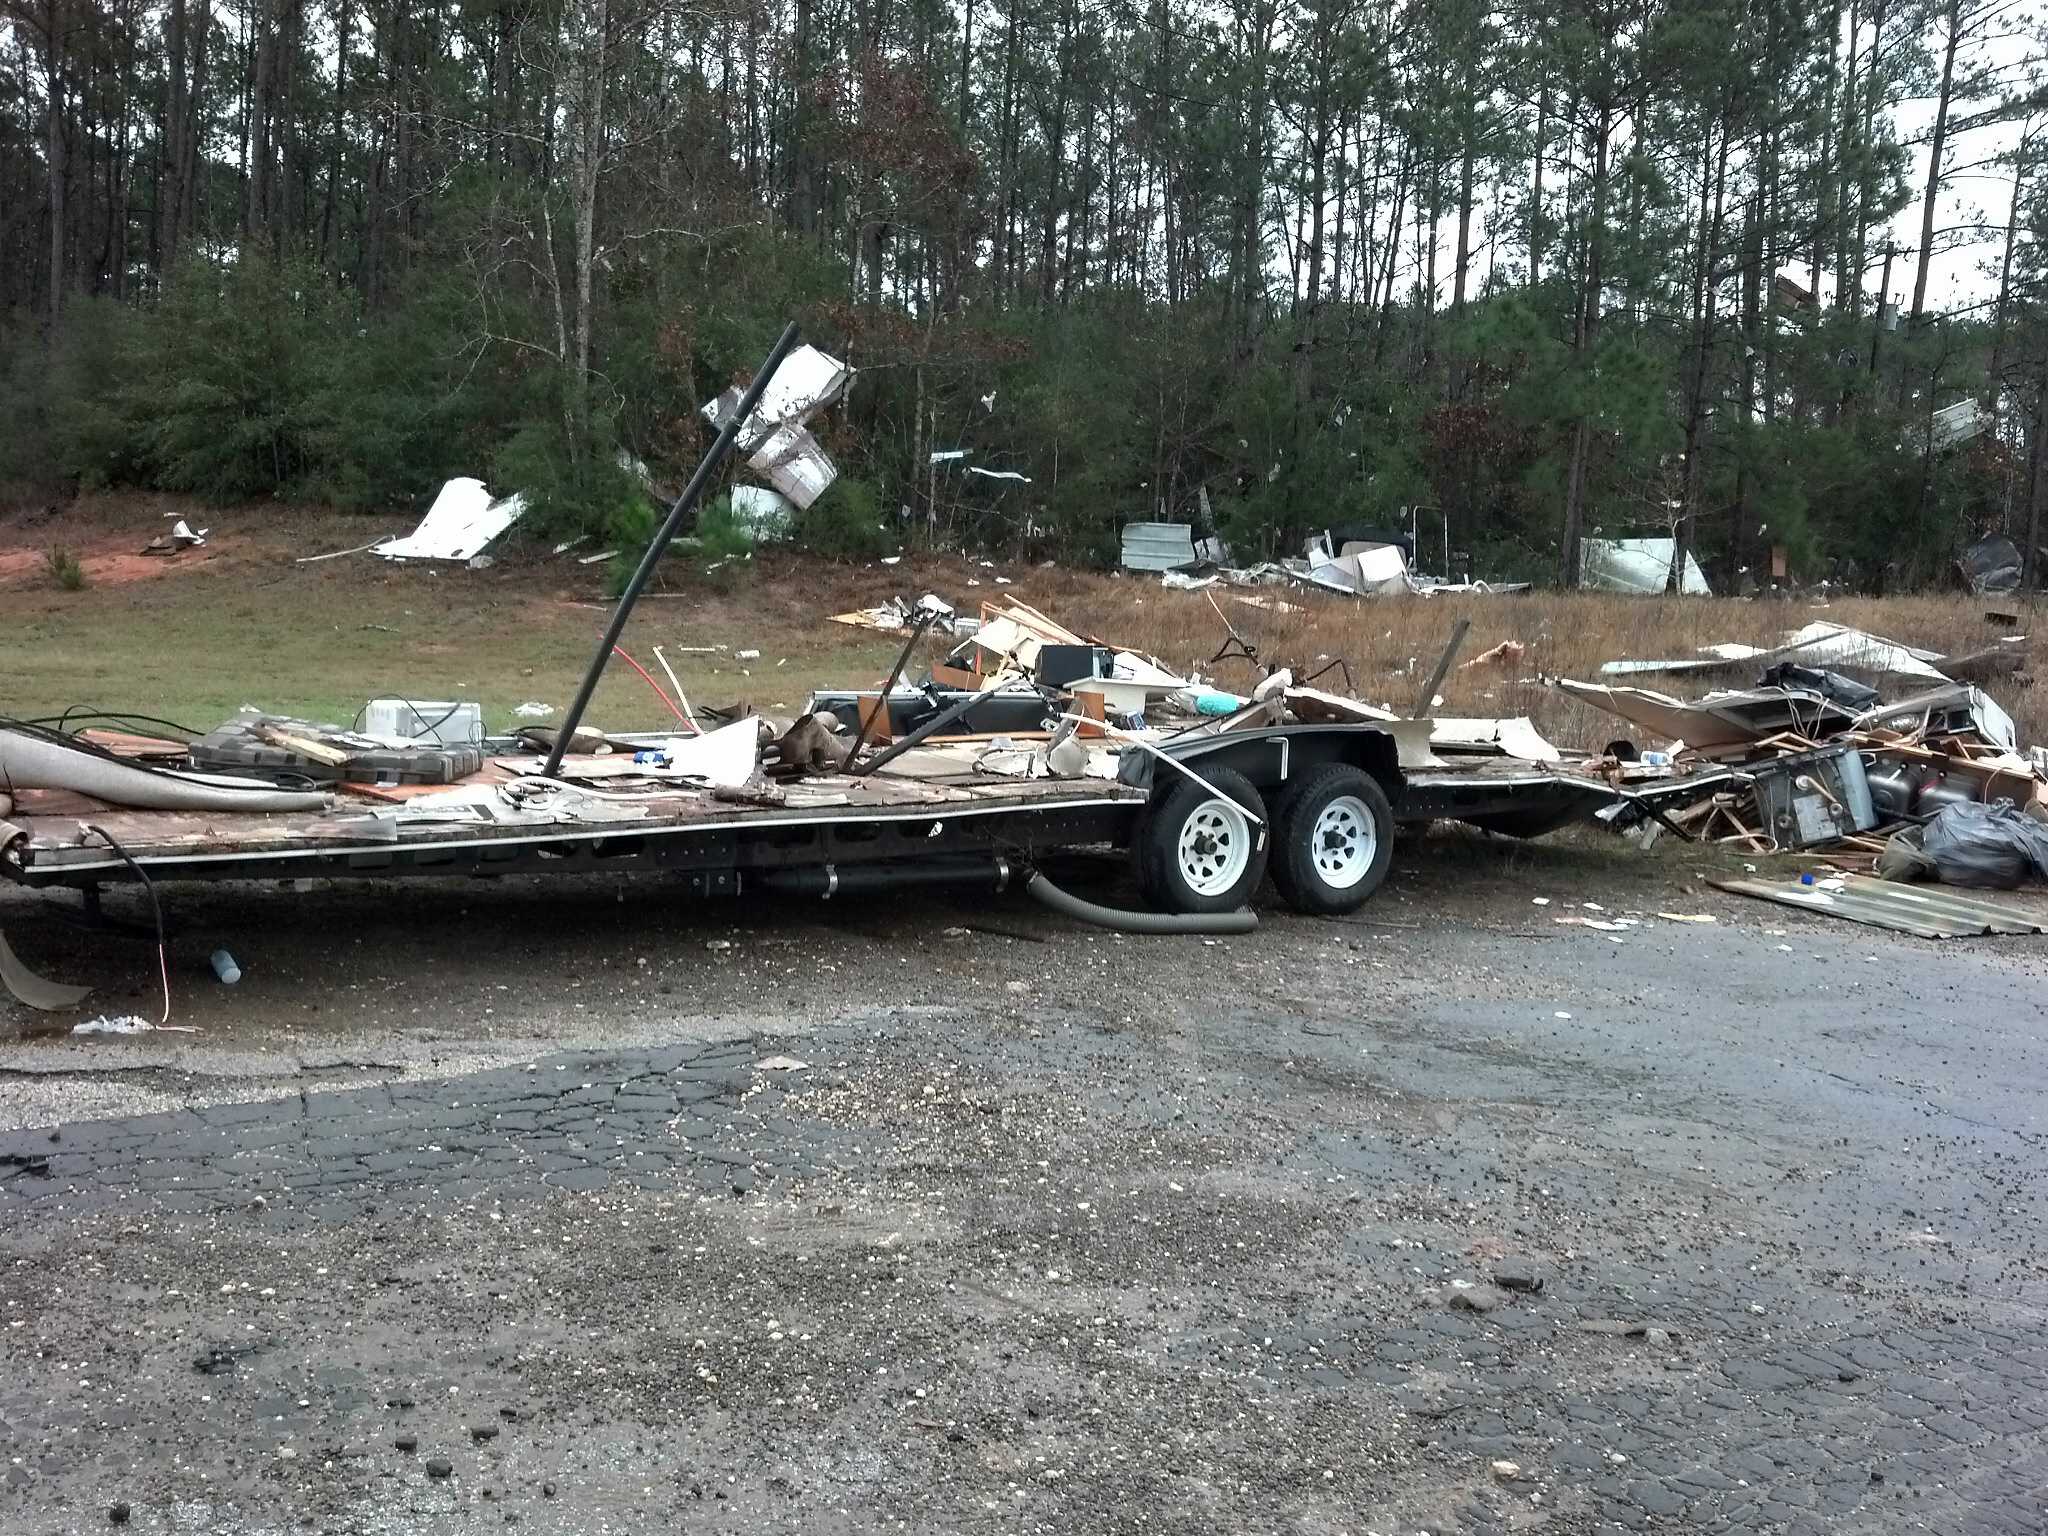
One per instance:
(447, 723)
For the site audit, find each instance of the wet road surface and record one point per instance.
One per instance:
(1123, 1236)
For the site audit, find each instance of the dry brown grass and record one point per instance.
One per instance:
(1392, 644)
(213, 627)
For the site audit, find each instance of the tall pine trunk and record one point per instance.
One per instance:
(1584, 345)
(54, 158)
(1953, 17)
(1536, 185)
(1705, 294)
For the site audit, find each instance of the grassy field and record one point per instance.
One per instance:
(192, 639)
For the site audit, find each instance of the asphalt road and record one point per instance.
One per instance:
(1035, 1230)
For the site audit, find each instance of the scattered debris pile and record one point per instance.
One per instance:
(1023, 696)
(1357, 562)
(1851, 749)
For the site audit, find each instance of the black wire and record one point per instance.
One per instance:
(156, 908)
(93, 749)
(80, 712)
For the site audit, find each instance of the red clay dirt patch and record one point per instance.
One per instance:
(106, 532)
(116, 567)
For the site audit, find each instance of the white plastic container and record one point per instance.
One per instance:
(436, 722)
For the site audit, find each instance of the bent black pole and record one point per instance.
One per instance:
(924, 620)
(658, 546)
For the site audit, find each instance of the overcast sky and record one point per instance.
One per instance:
(1978, 190)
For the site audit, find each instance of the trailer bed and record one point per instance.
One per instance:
(927, 808)
(924, 805)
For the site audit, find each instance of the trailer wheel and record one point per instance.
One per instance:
(1333, 835)
(1200, 852)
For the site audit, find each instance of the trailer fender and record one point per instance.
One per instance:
(1274, 757)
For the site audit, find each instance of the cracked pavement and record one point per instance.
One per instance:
(862, 1227)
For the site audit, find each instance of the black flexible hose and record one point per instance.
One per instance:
(156, 908)
(1046, 894)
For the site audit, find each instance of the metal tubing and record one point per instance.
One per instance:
(937, 723)
(1172, 762)
(658, 546)
(827, 881)
(926, 617)
(1424, 704)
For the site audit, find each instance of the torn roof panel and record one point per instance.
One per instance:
(1924, 911)
(807, 382)
(1638, 565)
(1720, 722)
(1844, 646)
(461, 522)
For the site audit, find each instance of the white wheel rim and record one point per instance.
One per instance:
(1214, 848)
(1343, 842)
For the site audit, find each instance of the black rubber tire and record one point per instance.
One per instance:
(1301, 884)
(1156, 848)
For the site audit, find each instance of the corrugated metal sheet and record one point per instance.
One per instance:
(1158, 546)
(1927, 911)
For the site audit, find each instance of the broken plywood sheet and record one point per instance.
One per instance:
(1014, 632)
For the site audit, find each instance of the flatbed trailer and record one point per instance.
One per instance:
(1205, 814)
(1202, 815)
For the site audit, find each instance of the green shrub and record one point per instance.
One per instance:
(226, 375)
(720, 547)
(721, 535)
(725, 546)
(572, 487)
(627, 529)
(65, 570)
(846, 523)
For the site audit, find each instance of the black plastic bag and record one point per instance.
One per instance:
(1993, 847)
